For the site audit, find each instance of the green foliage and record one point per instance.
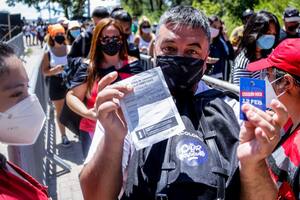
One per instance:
(276, 7)
(229, 10)
(208, 7)
(225, 10)
(152, 9)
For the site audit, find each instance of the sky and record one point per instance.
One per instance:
(27, 12)
(32, 13)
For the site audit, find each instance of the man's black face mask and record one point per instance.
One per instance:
(293, 28)
(181, 73)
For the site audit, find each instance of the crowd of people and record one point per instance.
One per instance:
(253, 159)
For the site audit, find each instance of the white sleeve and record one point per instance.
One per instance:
(235, 105)
(98, 135)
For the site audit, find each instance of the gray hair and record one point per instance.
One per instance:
(185, 16)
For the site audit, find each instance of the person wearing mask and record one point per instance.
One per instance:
(81, 46)
(108, 53)
(64, 22)
(135, 24)
(221, 50)
(26, 31)
(73, 31)
(237, 33)
(53, 63)
(291, 19)
(269, 164)
(181, 50)
(261, 35)
(33, 33)
(41, 33)
(21, 120)
(125, 20)
(145, 36)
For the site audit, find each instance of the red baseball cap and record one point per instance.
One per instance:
(286, 56)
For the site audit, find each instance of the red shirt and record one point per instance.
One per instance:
(89, 125)
(285, 163)
(15, 188)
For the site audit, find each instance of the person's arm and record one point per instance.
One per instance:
(136, 41)
(47, 70)
(101, 177)
(258, 138)
(151, 48)
(75, 98)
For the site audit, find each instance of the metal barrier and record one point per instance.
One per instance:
(31, 157)
(219, 84)
(17, 43)
(147, 62)
(39, 159)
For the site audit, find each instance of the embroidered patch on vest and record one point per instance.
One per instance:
(191, 151)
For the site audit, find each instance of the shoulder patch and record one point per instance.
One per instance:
(191, 151)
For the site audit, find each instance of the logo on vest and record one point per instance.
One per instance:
(191, 151)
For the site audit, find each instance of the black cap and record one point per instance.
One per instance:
(100, 12)
(248, 13)
(291, 14)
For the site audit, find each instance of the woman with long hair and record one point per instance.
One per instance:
(144, 35)
(108, 53)
(53, 63)
(261, 35)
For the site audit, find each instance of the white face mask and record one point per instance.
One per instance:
(214, 32)
(270, 92)
(146, 30)
(22, 123)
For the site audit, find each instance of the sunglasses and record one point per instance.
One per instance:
(107, 39)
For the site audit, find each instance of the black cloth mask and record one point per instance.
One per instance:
(111, 48)
(59, 39)
(181, 73)
(293, 28)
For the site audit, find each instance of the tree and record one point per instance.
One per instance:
(229, 10)
(277, 6)
(71, 8)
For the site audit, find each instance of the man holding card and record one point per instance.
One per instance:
(200, 162)
(268, 169)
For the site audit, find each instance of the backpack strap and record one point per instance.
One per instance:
(163, 181)
(49, 57)
(209, 137)
(83, 45)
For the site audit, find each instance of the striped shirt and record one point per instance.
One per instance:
(284, 163)
(240, 69)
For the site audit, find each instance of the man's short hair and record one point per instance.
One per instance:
(5, 52)
(185, 16)
(100, 12)
(122, 15)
